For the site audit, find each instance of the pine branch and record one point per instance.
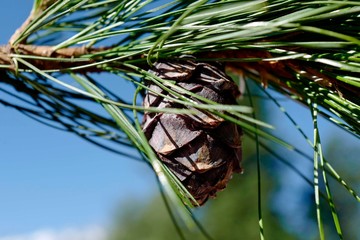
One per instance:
(46, 58)
(306, 50)
(238, 61)
(39, 7)
(290, 76)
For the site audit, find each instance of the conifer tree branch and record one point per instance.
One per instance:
(46, 58)
(269, 72)
(306, 50)
(39, 7)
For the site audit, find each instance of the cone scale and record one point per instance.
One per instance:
(202, 150)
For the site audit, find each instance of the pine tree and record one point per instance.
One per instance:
(308, 51)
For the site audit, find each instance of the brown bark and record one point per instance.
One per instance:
(55, 63)
(269, 71)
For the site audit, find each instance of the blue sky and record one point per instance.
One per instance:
(54, 180)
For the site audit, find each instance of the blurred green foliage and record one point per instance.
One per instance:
(232, 215)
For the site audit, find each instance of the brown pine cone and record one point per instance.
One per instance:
(202, 150)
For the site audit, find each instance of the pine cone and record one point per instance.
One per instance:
(202, 150)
